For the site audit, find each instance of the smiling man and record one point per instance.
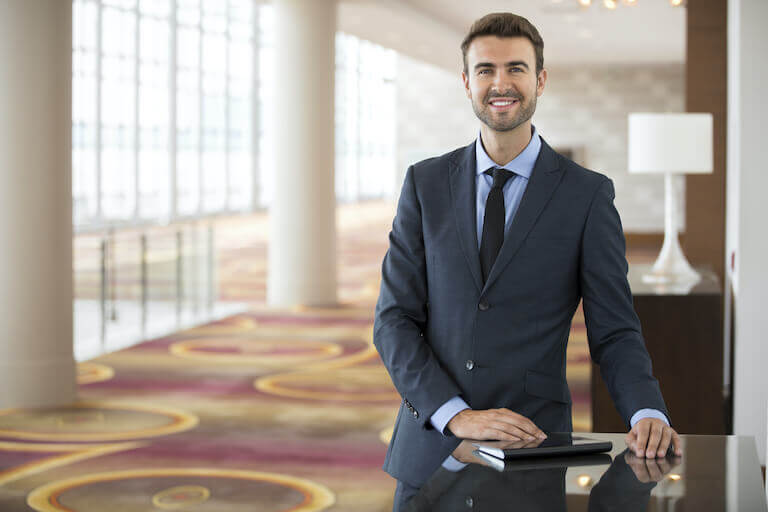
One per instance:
(491, 250)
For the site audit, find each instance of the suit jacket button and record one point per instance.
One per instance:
(469, 364)
(484, 306)
(469, 501)
(415, 414)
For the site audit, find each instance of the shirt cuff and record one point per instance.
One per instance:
(647, 413)
(453, 465)
(446, 412)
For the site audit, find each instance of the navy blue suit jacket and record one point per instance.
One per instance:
(442, 332)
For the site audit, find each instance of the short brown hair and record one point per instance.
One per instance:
(505, 24)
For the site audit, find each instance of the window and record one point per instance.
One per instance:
(163, 109)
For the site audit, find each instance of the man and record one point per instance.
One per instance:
(492, 248)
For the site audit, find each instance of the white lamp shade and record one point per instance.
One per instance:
(678, 143)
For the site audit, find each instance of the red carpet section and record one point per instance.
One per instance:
(265, 411)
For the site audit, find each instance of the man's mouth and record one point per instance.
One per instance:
(501, 104)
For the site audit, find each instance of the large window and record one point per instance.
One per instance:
(365, 120)
(163, 109)
(171, 111)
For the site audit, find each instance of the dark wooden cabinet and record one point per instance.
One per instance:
(683, 332)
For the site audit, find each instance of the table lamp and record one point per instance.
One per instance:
(679, 143)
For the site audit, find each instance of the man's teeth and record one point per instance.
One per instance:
(501, 103)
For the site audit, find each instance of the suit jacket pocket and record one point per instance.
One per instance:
(546, 386)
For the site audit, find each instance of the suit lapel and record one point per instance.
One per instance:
(544, 179)
(462, 186)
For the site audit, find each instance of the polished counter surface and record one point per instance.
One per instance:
(715, 473)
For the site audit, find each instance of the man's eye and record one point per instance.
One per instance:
(483, 71)
(516, 68)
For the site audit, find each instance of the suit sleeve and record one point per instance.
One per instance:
(401, 315)
(613, 328)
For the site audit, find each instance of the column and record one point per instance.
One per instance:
(36, 357)
(302, 243)
(747, 211)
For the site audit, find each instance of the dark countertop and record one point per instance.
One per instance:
(715, 473)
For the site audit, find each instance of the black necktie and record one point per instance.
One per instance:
(493, 223)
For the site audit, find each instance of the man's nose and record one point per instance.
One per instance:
(502, 84)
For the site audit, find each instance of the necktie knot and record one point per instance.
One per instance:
(500, 176)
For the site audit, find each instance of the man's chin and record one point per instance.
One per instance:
(501, 127)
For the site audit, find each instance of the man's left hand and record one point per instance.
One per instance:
(651, 437)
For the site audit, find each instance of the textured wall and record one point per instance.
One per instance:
(433, 114)
(583, 108)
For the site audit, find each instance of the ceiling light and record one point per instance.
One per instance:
(612, 4)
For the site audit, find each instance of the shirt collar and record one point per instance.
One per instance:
(522, 164)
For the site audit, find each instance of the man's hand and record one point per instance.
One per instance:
(496, 424)
(650, 470)
(651, 437)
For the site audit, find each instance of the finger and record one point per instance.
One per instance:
(653, 440)
(522, 422)
(666, 438)
(509, 429)
(630, 440)
(677, 444)
(494, 433)
(641, 429)
(639, 469)
(653, 469)
(665, 466)
(512, 434)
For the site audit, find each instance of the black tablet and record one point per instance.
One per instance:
(556, 443)
(544, 462)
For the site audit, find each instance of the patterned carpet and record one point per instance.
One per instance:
(269, 410)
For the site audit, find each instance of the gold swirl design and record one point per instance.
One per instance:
(46, 498)
(93, 372)
(91, 413)
(181, 496)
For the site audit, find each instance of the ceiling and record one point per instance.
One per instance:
(431, 30)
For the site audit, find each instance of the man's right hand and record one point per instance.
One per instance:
(494, 424)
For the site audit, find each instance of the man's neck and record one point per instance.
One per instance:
(503, 147)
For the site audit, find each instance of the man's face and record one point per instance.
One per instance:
(501, 81)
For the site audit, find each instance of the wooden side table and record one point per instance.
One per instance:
(683, 332)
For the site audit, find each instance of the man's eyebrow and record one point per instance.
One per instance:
(518, 63)
(508, 64)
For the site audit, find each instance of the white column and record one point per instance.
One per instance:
(36, 358)
(747, 211)
(302, 243)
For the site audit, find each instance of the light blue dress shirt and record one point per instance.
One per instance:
(522, 166)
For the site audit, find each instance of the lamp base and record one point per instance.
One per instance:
(671, 266)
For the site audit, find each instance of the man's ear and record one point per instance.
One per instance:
(465, 80)
(540, 82)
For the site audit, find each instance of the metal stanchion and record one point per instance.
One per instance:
(196, 270)
(179, 274)
(211, 270)
(144, 284)
(112, 272)
(103, 294)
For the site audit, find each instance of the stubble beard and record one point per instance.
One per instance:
(503, 123)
